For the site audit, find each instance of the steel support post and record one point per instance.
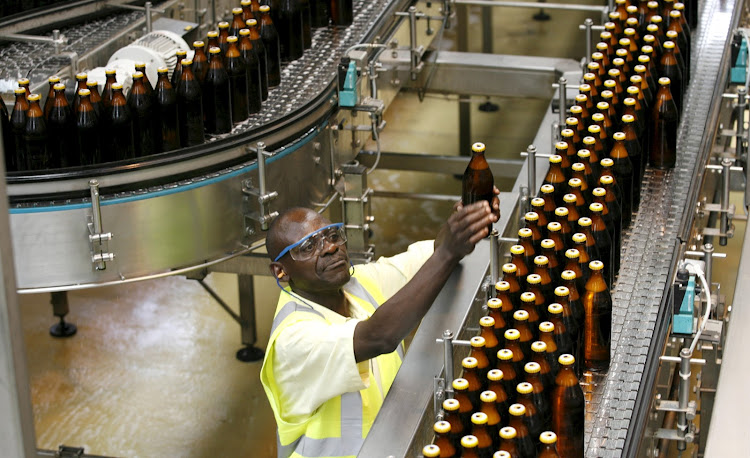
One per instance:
(726, 164)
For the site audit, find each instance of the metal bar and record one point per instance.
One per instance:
(96, 216)
(677, 359)
(487, 30)
(413, 41)
(683, 395)
(125, 6)
(415, 196)
(708, 250)
(562, 85)
(724, 222)
(449, 165)
(247, 321)
(149, 26)
(741, 102)
(535, 5)
(494, 257)
(720, 167)
(531, 171)
(26, 38)
(587, 24)
(700, 254)
(448, 362)
(220, 301)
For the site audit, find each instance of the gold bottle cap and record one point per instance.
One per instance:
(574, 183)
(494, 303)
(224, 24)
(79, 77)
(652, 28)
(578, 167)
(541, 260)
(488, 396)
(479, 418)
(625, 42)
(583, 153)
(619, 136)
(653, 4)
(619, 61)
(648, 49)
(596, 207)
(578, 237)
(546, 326)
(531, 216)
(614, 15)
(561, 211)
(524, 232)
(232, 39)
(495, 374)
(584, 221)
(589, 140)
(460, 384)
(517, 410)
(597, 117)
(478, 147)
(487, 322)
(210, 34)
(469, 362)
(568, 133)
(477, 342)
(214, 50)
(584, 87)
(431, 451)
(469, 441)
(137, 75)
(505, 354)
(522, 315)
(532, 367)
(603, 106)
(628, 118)
(575, 109)
(503, 285)
(118, 86)
(246, 2)
(605, 35)
(34, 97)
(589, 76)
(571, 121)
(554, 226)
(112, 71)
(561, 146)
(566, 360)
(517, 250)
(572, 253)
(512, 334)
(450, 405)
(569, 274)
(675, 13)
(555, 308)
(442, 427)
(140, 66)
(508, 433)
(548, 243)
(581, 98)
(613, 72)
(679, 6)
(265, 9)
(664, 81)
(524, 388)
(630, 101)
(187, 62)
(251, 22)
(548, 438)
(237, 10)
(54, 79)
(555, 159)
(606, 179)
(547, 189)
(61, 87)
(501, 454)
(599, 192)
(610, 83)
(82, 92)
(533, 279)
(244, 32)
(594, 65)
(198, 44)
(607, 162)
(596, 265)
(630, 31)
(655, 19)
(539, 346)
(640, 68)
(569, 198)
(668, 45)
(602, 46)
(19, 90)
(537, 202)
(562, 291)
(671, 34)
(92, 83)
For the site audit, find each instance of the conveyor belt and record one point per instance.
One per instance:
(615, 399)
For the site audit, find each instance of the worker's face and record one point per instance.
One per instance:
(326, 270)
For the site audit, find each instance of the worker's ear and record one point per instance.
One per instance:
(277, 270)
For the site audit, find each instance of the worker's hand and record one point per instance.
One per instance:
(466, 226)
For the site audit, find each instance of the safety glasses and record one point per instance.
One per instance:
(314, 242)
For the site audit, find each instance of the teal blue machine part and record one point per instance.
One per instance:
(683, 322)
(739, 69)
(348, 95)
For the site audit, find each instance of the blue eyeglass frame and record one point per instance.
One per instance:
(305, 238)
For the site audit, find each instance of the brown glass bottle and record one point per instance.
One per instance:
(451, 408)
(547, 192)
(489, 408)
(568, 410)
(502, 292)
(18, 126)
(247, 11)
(270, 38)
(675, 38)
(583, 156)
(670, 68)
(571, 134)
(529, 250)
(477, 182)
(238, 83)
(143, 114)
(217, 96)
(556, 177)
(223, 37)
(50, 95)
(579, 172)
(181, 54)
(527, 330)
(237, 22)
(562, 215)
(200, 61)
(511, 377)
(541, 268)
(676, 25)
(548, 449)
(36, 137)
(602, 231)
(597, 304)
(166, 112)
(491, 342)
(95, 97)
(342, 12)
(496, 385)
(513, 344)
(495, 311)
(663, 132)
(87, 139)
(563, 339)
(568, 280)
(581, 200)
(81, 79)
(541, 358)
(532, 417)
(612, 187)
(60, 129)
(585, 91)
(547, 337)
(610, 214)
(25, 83)
(633, 147)
(572, 318)
(587, 252)
(531, 220)
(538, 306)
(8, 140)
(549, 250)
(190, 107)
(212, 41)
(592, 79)
(538, 395)
(481, 432)
(260, 51)
(461, 392)
(518, 421)
(252, 66)
(572, 263)
(120, 141)
(443, 440)
(469, 446)
(288, 21)
(508, 442)
(579, 112)
(554, 232)
(471, 375)
(537, 206)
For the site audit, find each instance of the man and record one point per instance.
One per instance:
(335, 344)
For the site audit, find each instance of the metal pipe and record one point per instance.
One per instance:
(535, 5)
(413, 41)
(562, 86)
(740, 139)
(708, 258)
(531, 175)
(149, 25)
(683, 396)
(26, 38)
(725, 179)
(494, 258)
(610, 5)
(588, 23)
(96, 211)
(415, 195)
(261, 152)
(448, 361)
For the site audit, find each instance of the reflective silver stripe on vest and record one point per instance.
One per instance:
(289, 308)
(355, 287)
(348, 444)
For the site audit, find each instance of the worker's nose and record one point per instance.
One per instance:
(328, 247)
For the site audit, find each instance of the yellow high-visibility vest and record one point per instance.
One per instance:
(339, 426)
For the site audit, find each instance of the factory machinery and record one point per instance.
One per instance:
(205, 208)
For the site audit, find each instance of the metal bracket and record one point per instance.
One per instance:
(674, 406)
(98, 239)
(263, 216)
(416, 63)
(439, 395)
(148, 8)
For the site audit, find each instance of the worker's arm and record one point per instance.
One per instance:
(397, 316)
